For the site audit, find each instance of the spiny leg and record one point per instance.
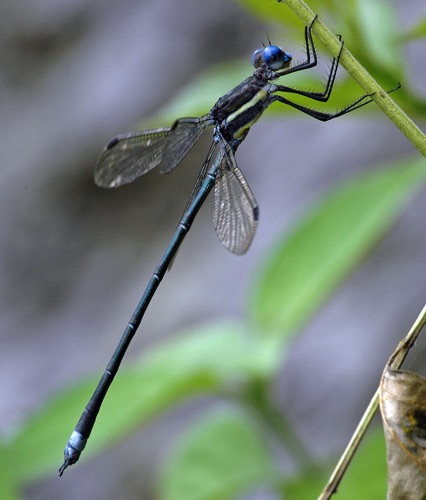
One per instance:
(317, 96)
(311, 54)
(323, 115)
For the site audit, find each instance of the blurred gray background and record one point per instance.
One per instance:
(75, 258)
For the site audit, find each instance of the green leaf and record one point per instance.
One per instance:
(278, 12)
(204, 361)
(377, 29)
(332, 238)
(8, 486)
(221, 456)
(305, 486)
(271, 11)
(418, 31)
(364, 478)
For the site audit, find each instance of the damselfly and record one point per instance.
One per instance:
(235, 211)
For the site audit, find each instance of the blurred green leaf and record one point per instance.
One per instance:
(221, 456)
(365, 477)
(415, 32)
(306, 486)
(328, 243)
(271, 11)
(279, 12)
(8, 485)
(36, 448)
(377, 31)
(201, 362)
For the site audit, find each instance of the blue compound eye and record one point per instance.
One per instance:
(275, 58)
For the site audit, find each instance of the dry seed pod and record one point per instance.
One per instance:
(403, 408)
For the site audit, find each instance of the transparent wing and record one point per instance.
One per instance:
(182, 137)
(128, 156)
(235, 211)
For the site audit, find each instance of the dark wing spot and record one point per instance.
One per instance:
(112, 143)
(256, 213)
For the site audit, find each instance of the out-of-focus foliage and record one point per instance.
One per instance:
(227, 453)
(237, 361)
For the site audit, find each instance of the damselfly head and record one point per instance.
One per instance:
(274, 57)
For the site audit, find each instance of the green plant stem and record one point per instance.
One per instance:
(351, 448)
(361, 75)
